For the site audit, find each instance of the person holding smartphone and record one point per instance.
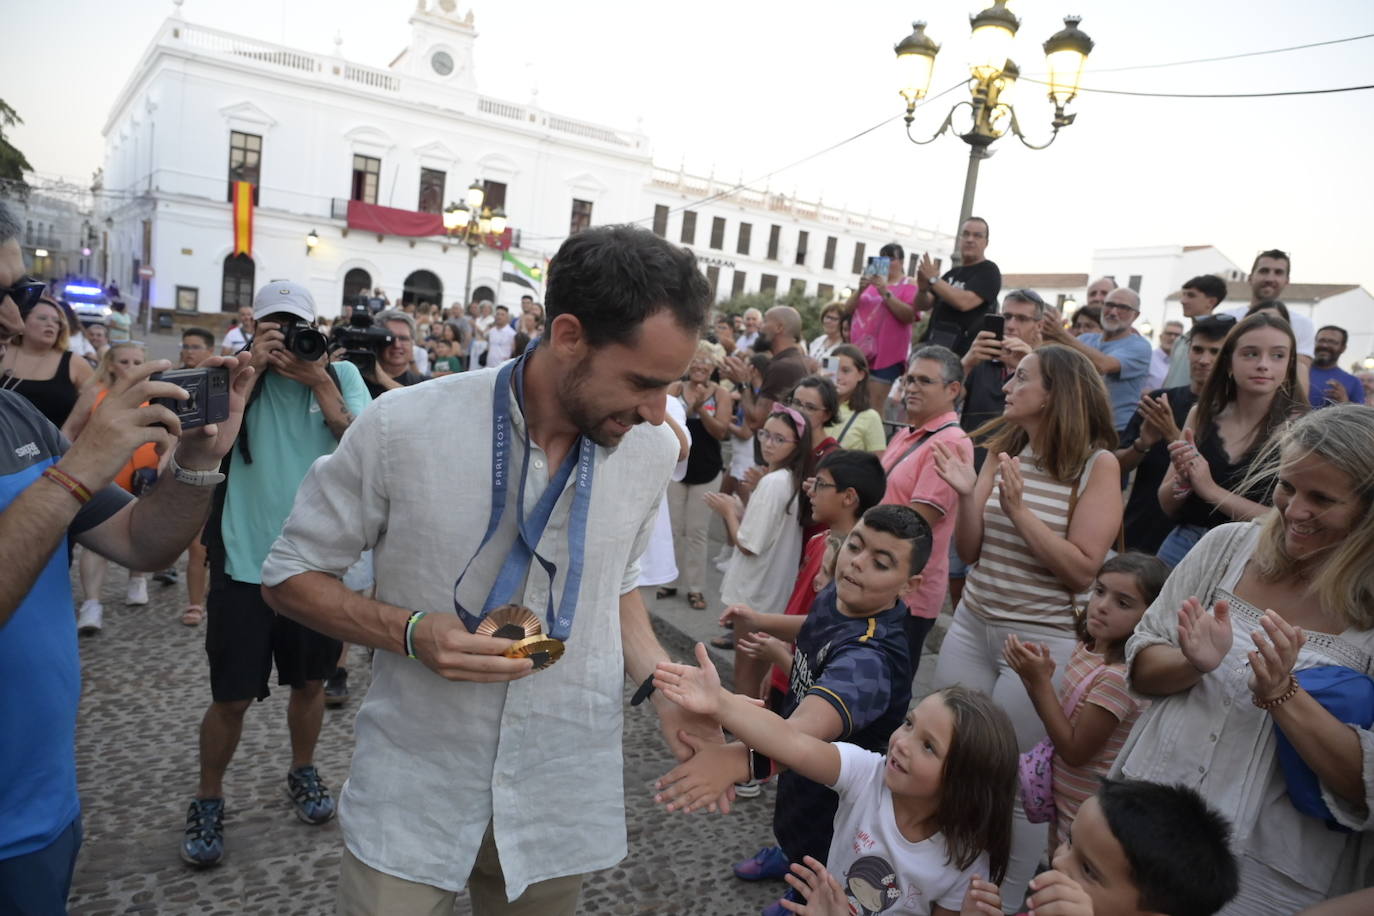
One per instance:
(881, 312)
(961, 296)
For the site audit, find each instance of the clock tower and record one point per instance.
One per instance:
(440, 47)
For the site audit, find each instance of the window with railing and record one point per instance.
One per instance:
(581, 216)
(858, 257)
(431, 191)
(802, 237)
(689, 227)
(745, 231)
(768, 283)
(495, 194)
(830, 243)
(718, 232)
(774, 236)
(661, 220)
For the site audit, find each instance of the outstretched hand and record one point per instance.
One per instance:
(1031, 661)
(696, 690)
(954, 469)
(822, 894)
(1276, 652)
(1204, 638)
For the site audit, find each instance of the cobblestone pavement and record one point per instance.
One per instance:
(145, 689)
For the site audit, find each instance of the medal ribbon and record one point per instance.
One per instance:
(530, 530)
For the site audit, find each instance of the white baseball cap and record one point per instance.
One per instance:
(284, 296)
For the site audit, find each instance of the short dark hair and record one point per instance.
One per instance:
(1210, 285)
(526, 296)
(859, 471)
(1273, 254)
(1178, 847)
(892, 250)
(830, 398)
(202, 333)
(502, 308)
(1345, 335)
(905, 523)
(1274, 304)
(611, 278)
(1213, 327)
(987, 231)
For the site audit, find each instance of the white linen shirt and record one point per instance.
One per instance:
(1211, 738)
(435, 761)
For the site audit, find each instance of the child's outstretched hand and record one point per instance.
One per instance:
(767, 648)
(694, 689)
(1029, 660)
(983, 899)
(822, 893)
(1056, 894)
(704, 777)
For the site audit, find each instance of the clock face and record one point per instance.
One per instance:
(442, 63)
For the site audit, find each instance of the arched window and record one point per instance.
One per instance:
(357, 282)
(238, 282)
(422, 286)
(484, 294)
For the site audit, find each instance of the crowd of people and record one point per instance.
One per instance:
(1154, 693)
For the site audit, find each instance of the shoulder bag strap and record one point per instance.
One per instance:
(853, 415)
(920, 442)
(1081, 690)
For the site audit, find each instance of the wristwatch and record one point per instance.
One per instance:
(194, 478)
(1136, 445)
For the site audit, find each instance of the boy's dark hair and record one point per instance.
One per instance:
(761, 362)
(979, 783)
(1149, 572)
(202, 333)
(859, 471)
(905, 523)
(1210, 285)
(1213, 327)
(611, 278)
(1274, 304)
(1178, 847)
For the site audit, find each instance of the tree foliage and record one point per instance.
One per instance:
(13, 163)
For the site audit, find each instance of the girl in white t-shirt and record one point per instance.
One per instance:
(919, 830)
(767, 534)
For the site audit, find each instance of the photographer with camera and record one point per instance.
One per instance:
(299, 409)
(52, 491)
(391, 369)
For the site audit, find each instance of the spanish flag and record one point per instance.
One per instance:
(243, 218)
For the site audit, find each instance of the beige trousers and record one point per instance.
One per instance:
(365, 891)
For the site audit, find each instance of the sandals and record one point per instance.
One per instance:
(193, 615)
(696, 600)
(665, 592)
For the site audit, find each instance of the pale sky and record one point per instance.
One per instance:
(748, 87)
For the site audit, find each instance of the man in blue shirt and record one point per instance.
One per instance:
(298, 412)
(1330, 384)
(52, 491)
(1119, 353)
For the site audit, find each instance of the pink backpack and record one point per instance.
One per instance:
(1036, 766)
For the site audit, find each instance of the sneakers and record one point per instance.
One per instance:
(204, 842)
(336, 688)
(309, 795)
(167, 577)
(138, 591)
(750, 789)
(768, 864)
(89, 618)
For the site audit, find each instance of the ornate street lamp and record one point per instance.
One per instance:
(460, 224)
(993, 75)
(311, 241)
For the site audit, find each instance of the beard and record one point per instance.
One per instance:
(589, 421)
(763, 343)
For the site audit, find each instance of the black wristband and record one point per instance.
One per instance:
(643, 692)
(760, 765)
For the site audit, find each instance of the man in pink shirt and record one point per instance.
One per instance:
(931, 387)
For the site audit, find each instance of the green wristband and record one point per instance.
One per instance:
(410, 632)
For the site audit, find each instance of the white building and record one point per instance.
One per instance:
(313, 132)
(58, 237)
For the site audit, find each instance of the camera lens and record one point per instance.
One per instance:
(308, 344)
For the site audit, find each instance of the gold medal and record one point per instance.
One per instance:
(511, 621)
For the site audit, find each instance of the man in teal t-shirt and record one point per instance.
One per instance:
(297, 413)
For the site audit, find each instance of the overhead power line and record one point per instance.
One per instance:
(1212, 95)
(1209, 60)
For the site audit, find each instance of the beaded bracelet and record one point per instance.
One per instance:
(410, 632)
(1278, 700)
(68, 483)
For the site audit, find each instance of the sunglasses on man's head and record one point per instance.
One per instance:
(25, 293)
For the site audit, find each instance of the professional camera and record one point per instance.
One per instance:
(209, 395)
(304, 341)
(360, 340)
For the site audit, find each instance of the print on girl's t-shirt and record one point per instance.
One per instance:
(870, 885)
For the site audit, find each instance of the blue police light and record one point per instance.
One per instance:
(84, 290)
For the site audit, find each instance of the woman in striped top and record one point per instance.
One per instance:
(1034, 556)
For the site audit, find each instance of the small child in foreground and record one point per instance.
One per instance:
(918, 830)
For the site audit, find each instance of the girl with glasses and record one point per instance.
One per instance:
(767, 536)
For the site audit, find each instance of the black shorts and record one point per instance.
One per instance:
(242, 637)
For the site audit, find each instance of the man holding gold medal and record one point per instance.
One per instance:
(507, 510)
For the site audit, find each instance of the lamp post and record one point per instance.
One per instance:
(993, 76)
(311, 241)
(460, 224)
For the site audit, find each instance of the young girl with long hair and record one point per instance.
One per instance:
(1036, 545)
(1252, 391)
(859, 425)
(767, 534)
(917, 830)
(1091, 715)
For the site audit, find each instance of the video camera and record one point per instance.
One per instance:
(361, 342)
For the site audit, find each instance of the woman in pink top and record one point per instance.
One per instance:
(881, 314)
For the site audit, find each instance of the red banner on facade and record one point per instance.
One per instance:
(394, 221)
(243, 218)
